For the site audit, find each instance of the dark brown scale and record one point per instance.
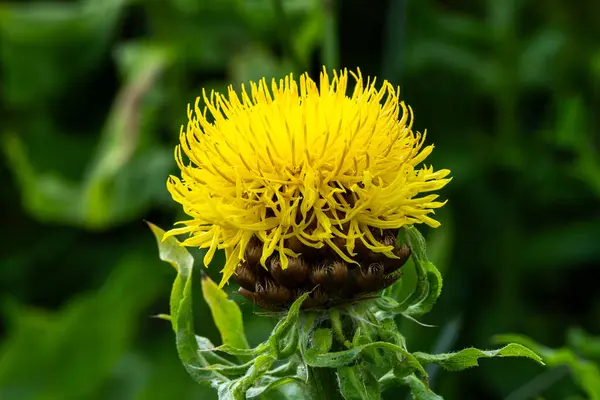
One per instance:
(370, 279)
(330, 275)
(258, 300)
(253, 253)
(317, 298)
(294, 244)
(322, 272)
(394, 264)
(273, 293)
(244, 276)
(388, 238)
(295, 275)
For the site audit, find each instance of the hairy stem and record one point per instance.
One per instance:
(323, 383)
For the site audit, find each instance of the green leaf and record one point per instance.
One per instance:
(313, 358)
(237, 389)
(419, 389)
(173, 253)
(113, 189)
(357, 382)
(429, 279)
(208, 352)
(36, 41)
(291, 317)
(258, 350)
(47, 354)
(267, 384)
(226, 314)
(585, 372)
(469, 357)
(280, 340)
(586, 345)
(182, 317)
(322, 340)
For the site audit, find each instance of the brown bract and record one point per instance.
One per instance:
(329, 279)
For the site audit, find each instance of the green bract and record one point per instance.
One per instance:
(354, 349)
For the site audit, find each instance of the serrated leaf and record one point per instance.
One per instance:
(585, 372)
(313, 358)
(469, 357)
(226, 314)
(357, 382)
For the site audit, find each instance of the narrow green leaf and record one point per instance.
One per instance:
(171, 251)
(258, 350)
(182, 318)
(185, 340)
(357, 382)
(288, 344)
(281, 339)
(429, 279)
(226, 314)
(291, 317)
(469, 357)
(230, 371)
(208, 351)
(260, 366)
(419, 389)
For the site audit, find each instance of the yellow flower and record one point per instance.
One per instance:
(298, 162)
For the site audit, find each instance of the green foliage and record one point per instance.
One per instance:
(469, 357)
(419, 389)
(225, 313)
(92, 95)
(428, 284)
(96, 326)
(358, 382)
(301, 342)
(585, 372)
(233, 382)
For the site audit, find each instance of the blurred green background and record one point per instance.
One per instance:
(92, 95)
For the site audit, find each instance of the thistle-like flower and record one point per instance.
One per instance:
(304, 186)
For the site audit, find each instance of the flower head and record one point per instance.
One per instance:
(293, 167)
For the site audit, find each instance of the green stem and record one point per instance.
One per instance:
(323, 383)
